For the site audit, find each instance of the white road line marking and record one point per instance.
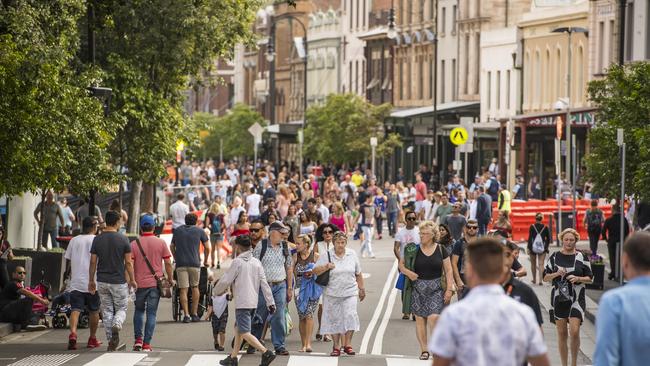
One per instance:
(206, 360)
(122, 359)
(390, 281)
(406, 362)
(312, 361)
(379, 338)
(44, 360)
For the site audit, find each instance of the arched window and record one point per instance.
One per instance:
(537, 83)
(547, 71)
(527, 80)
(580, 77)
(558, 74)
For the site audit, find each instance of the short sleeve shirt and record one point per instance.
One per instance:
(187, 240)
(110, 248)
(274, 262)
(78, 253)
(405, 236)
(156, 250)
(343, 281)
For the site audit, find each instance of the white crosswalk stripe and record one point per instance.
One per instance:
(119, 358)
(44, 360)
(205, 360)
(406, 362)
(312, 361)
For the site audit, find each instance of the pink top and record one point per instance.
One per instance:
(338, 221)
(156, 250)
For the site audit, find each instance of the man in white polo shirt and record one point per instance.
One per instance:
(177, 211)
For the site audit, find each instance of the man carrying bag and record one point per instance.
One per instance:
(149, 252)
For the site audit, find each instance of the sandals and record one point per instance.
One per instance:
(319, 337)
(349, 351)
(327, 338)
(405, 317)
(424, 355)
(336, 352)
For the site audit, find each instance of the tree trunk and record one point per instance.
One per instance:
(148, 190)
(134, 207)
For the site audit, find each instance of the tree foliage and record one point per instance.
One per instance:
(340, 129)
(151, 50)
(233, 130)
(623, 101)
(54, 133)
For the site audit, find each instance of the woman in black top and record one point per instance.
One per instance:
(428, 297)
(568, 271)
(538, 254)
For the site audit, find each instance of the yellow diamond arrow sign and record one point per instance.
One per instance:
(458, 136)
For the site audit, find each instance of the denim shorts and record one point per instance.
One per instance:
(243, 318)
(79, 301)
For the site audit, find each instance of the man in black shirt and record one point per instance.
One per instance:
(13, 308)
(515, 288)
(458, 255)
(612, 234)
(270, 210)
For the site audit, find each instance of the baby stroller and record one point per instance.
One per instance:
(205, 289)
(39, 310)
(61, 310)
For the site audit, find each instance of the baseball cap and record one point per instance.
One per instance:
(278, 226)
(147, 220)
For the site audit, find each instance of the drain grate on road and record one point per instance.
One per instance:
(44, 360)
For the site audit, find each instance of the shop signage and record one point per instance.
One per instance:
(579, 119)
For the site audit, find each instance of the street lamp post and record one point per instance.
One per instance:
(567, 137)
(621, 205)
(373, 145)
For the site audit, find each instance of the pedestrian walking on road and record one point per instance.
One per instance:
(624, 313)
(539, 239)
(341, 295)
(111, 260)
(426, 266)
(178, 210)
(78, 260)
(367, 219)
(458, 259)
(185, 247)
(487, 327)
(275, 257)
(247, 278)
(306, 300)
(407, 234)
(483, 211)
(593, 221)
(515, 288)
(612, 234)
(149, 254)
(568, 271)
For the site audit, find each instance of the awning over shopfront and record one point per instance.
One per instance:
(580, 117)
(285, 129)
(442, 108)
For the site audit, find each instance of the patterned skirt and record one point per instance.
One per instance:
(339, 315)
(427, 297)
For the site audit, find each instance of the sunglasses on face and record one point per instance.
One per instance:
(472, 227)
(411, 219)
(21, 273)
(327, 232)
(254, 230)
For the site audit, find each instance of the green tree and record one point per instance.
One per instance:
(623, 101)
(152, 51)
(339, 130)
(55, 135)
(232, 130)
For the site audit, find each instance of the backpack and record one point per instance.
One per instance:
(265, 245)
(538, 242)
(594, 220)
(494, 187)
(217, 221)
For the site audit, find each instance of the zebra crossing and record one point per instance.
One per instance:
(169, 358)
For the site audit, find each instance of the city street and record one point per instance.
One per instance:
(384, 339)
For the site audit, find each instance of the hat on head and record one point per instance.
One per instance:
(147, 220)
(278, 226)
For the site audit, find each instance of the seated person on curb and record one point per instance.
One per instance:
(16, 302)
(247, 278)
(185, 249)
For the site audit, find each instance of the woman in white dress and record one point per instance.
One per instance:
(340, 317)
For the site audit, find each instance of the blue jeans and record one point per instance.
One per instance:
(392, 222)
(52, 234)
(146, 299)
(277, 319)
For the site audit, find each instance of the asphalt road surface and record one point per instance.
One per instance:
(384, 339)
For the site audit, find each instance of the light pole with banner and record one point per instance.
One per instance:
(301, 139)
(256, 130)
(621, 205)
(373, 146)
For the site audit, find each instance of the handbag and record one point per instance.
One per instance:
(323, 279)
(163, 286)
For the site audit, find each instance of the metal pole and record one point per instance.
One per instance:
(255, 158)
(567, 136)
(272, 72)
(304, 118)
(443, 169)
(622, 213)
(558, 168)
(91, 60)
(621, 32)
(220, 150)
(373, 162)
(574, 158)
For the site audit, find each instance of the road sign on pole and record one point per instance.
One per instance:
(256, 130)
(458, 136)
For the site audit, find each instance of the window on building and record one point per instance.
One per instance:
(558, 73)
(580, 69)
(547, 87)
(443, 21)
(363, 77)
(351, 11)
(498, 90)
(350, 77)
(409, 11)
(432, 10)
(488, 83)
(431, 72)
(356, 25)
(443, 85)
(629, 32)
(526, 81)
(612, 40)
(454, 78)
(508, 96)
(400, 75)
(453, 20)
(465, 70)
(400, 12)
(477, 63)
(600, 64)
(421, 77)
(356, 77)
(363, 13)
(538, 78)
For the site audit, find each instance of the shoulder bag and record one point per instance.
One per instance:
(323, 279)
(163, 286)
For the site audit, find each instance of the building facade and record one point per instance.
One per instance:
(355, 24)
(324, 67)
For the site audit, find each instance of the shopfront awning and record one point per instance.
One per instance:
(288, 129)
(580, 117)
(442, 108)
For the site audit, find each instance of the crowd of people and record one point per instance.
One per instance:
(289, 238)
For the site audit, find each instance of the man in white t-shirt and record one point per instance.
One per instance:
(178, 210)
(324, 211)
(233, 174)
(407, 234)
(253, 204)
(78, 262)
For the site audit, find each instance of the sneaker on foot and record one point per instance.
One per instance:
(35, 327)
(229, 361)
(93, 343)
(115, 339)
(146, 347)
(187, 319)
(267, 358)
(137, 346)
(72, 342)
(195, 319)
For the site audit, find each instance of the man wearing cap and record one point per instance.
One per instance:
(149, 252)
(78, 264)
(275, 257)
